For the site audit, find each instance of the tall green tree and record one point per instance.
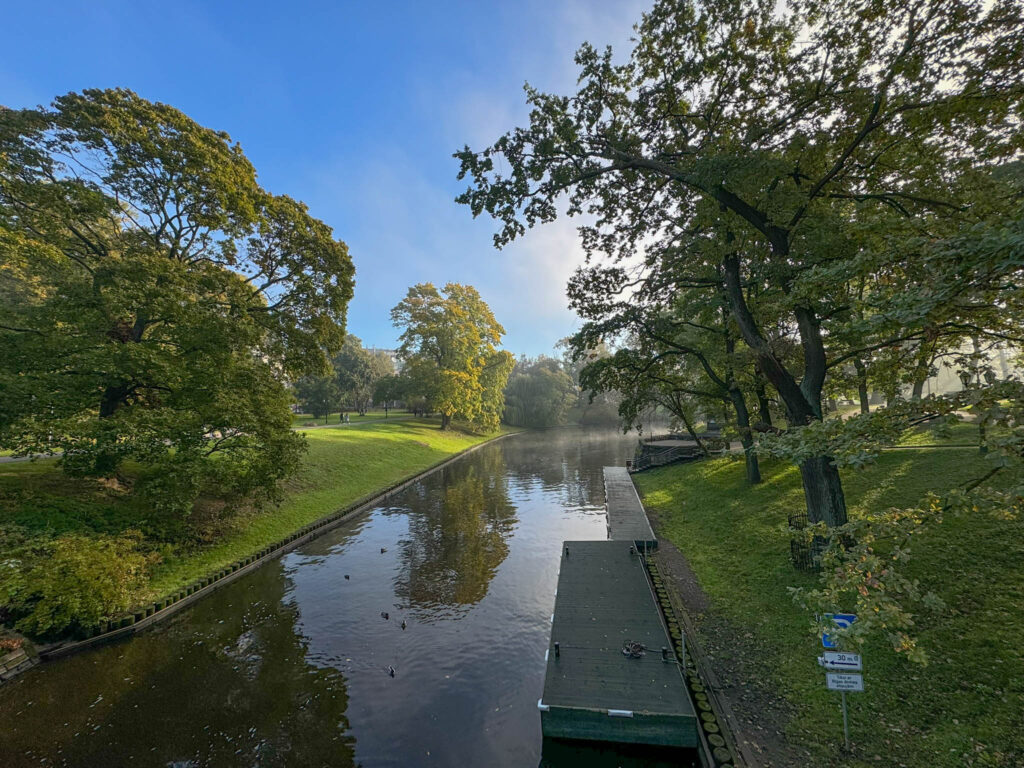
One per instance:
(539, 393)
(595, 406)
(681, 341)
(449, 347)
(318, 395)
(358, 370)
(791, 134)
(155, 297)
(390, 389)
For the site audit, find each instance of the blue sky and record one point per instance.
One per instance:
(355, 108)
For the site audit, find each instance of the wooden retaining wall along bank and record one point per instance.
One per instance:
(148, 615)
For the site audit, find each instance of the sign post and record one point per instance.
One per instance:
(846, 724)
(842, 669)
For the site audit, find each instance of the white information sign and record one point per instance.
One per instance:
(841, 681)
(840, 660)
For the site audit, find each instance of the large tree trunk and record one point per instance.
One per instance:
(918, 390)
(764, 414)
(822, 486)
(112, 399)
(923, 363)
(106, 459)
(446, 421)
(823, 491)
(862, 384)
(982, 442)
(739, 404)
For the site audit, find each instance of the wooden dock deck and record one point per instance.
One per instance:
(627, 520)
(591, 689)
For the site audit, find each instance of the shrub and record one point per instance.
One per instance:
(71, 582)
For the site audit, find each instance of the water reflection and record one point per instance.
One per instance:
(456, 538)
(288, 666)
(566, 464)
(229, 686)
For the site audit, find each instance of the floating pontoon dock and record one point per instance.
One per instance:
(627, 520)
(592, 690)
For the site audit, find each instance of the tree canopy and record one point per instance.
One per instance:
(357, 371)
(318, 395)
(155, 297)
(539, 393)
(793, 149)
(449, 348)
(792, 199)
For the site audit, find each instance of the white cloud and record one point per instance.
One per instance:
(397, 211)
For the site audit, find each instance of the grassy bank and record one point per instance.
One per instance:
(342, 465)
(966, 707)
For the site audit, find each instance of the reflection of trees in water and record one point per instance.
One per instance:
(198, 693)
(457, 537)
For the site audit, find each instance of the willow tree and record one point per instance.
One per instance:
(781, 129)
(155, 297)
(450, 353)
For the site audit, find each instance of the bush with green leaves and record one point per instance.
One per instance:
(72, 582)
(864, 562)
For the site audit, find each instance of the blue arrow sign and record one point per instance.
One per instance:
(841, 620)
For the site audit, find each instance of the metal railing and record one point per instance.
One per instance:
(646, 460)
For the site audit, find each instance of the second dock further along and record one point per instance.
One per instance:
(627, 520)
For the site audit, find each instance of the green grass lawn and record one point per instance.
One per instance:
(341, 467)
(959, 433)
(966, 708)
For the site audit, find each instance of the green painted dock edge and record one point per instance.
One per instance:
(592, 691)
(639, 728)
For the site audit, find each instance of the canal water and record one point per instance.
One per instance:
(451, 586)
